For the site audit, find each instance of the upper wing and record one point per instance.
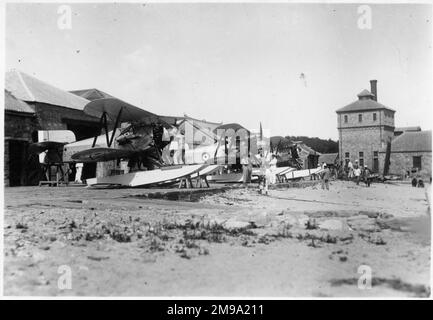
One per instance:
(66, 136)
(101, 154)
(171, 120)
(112, 107)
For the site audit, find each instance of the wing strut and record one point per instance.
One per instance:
(103, 122)
(217, 148)
(115, 127)
(100, 129)
(106, 129)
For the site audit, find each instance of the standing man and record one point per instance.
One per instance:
(367, 176)
(273, 169)
(78, 172)
(350, 167)
(265, 171)
(325, 177)
(355, 166)
(177, 145)
(357, 174)
(247, 169)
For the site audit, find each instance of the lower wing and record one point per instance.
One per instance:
(39, 147)
(102, 154)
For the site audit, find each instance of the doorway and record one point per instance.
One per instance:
(17, 162)
(375, 161)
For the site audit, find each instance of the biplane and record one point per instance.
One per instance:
(137, 135)
(141, 138)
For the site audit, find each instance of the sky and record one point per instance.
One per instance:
(288, 66)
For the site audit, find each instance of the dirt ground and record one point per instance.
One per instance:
(296, 242)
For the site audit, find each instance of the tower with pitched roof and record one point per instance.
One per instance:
(364, 127)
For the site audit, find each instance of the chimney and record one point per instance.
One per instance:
(373, 88)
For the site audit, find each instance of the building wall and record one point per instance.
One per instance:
(366, 140)
(57, 118)
(367, 136)
(20, 126)
(387, 118)
(367, 119)
(18, 132)
(400, 162)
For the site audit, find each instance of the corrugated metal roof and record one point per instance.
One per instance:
(413, 141)
(91, 94)
(30, 89)
(14, 104)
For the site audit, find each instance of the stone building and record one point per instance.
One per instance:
(55, 109)
(365, 126)
(20, 123)
(411, 153)
(42, 107)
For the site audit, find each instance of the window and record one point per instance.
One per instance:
(361, 158)
(345, 118)
(374, 116)
(359, 117)
(375, 154)
(347, 155)
(417, 162)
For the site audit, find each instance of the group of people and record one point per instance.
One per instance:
(357, 173)
(268, 165)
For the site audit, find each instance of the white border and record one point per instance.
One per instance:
(252, 299)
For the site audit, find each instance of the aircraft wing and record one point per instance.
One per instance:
(39, 147)
(101, 154)
(71, 148)
(112, 107)
(172, 120)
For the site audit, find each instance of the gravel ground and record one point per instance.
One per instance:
(295, 242)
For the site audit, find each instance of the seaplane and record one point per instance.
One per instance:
(137, 135)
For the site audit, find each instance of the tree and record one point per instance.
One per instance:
(317, 144)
